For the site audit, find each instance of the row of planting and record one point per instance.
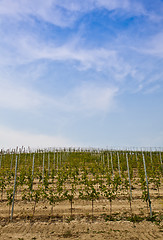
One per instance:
(60, 175)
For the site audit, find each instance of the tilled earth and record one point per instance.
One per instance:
(81, 225)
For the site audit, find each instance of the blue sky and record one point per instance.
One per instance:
(81, 73)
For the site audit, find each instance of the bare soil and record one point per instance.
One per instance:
(82, 225)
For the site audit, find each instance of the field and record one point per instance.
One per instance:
(81, 194)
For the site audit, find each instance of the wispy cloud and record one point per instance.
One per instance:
(48, 11)
(87, 98)
(29, 49)
(91, 98)
(17, 97)
(10, 138)
(152, 89)
(154, 46)
(70, 60)
(65, 13)
(25, 47)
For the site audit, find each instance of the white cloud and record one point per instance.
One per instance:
(91, 99)
(22, 48)
(88, 5)
(10, 138)
(111, 5)
(155, 45)
(46, 10)
(129, 8)
(152, 89)
(152, 46)
(64, 13)
(20, 98)
(87, 98)
(29, 49)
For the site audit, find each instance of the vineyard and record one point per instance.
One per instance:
(66, 184)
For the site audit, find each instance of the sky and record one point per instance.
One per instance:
(81, 73)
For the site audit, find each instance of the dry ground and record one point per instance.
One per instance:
(81, 230)
(81, 225)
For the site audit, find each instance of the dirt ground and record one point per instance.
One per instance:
(81, 225)
(81, 230)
